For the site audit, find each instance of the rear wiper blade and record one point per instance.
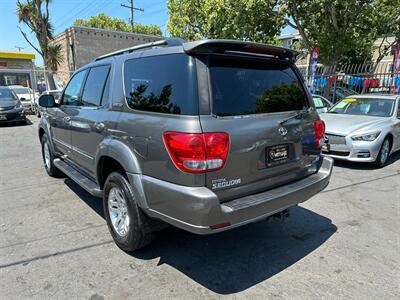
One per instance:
(298, 115)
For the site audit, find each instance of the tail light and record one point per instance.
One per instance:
(197, 152)
(319, 129)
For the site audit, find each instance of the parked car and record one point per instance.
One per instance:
(206, 136)
(55, 93)
(11, 108)
(340, 93)
(363, 128)
(25, 95)
(322, 104)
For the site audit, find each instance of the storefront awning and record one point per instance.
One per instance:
(16, 55)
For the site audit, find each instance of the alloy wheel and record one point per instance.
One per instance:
(118, 211)
(385, 151)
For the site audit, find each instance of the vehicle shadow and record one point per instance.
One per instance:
(233, 261)
(17, 124)
(366, 166)
(94, 203)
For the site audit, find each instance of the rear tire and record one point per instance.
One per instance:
(48, 158)
(130, 228)
(383, 155)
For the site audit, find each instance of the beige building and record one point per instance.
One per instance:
(380, 42)
(83, 44)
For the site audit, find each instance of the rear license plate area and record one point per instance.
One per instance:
(276, 155)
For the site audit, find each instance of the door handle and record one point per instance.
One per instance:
(67, 119)
(99, 126)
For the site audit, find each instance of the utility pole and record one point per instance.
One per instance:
(19, 48)
(132, 8)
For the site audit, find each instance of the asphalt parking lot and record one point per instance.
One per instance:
(54, 243)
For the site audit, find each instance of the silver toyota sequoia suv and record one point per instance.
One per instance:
(206, 136)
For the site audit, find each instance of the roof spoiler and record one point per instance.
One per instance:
(224, 46)
(170, 42)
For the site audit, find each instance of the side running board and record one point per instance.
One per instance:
(86, 183)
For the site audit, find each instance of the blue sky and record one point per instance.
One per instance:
(64, 12)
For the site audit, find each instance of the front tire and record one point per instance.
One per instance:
(383, 155)
(128, 225)
(48, 158)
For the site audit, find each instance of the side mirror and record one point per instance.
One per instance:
(47, 101)
(22, 99)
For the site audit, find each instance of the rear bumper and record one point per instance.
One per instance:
(196, 209)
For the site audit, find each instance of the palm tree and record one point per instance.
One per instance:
(35, 15)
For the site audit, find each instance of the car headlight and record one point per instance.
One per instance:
(366, 137)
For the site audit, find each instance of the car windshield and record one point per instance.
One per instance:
(7, 95)
(364, 107)
(21, 90)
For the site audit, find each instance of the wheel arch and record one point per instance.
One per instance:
(389, 135)
(44, 128)
(114, 155)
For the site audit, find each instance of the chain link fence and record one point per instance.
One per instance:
(338, 81)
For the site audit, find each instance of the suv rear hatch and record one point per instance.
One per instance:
(264, 107)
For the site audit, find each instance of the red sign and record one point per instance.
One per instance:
(3, 64)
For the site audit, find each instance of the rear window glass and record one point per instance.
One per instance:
(241, 87)
(163, 84)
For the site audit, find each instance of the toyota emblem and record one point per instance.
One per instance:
(282, 131)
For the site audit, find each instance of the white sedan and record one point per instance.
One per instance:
(25, 95)
(363, 128)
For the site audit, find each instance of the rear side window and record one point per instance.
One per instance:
(243, 86)
(163, 84)
(94, 86)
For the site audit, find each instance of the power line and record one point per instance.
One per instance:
(70, 18)
(132, 8)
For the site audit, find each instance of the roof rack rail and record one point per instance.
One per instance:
(170, 42)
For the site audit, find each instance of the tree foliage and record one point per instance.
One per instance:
(256, 20)
(387, 20)
(106, 22)
(35, 15)
(344, 30)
